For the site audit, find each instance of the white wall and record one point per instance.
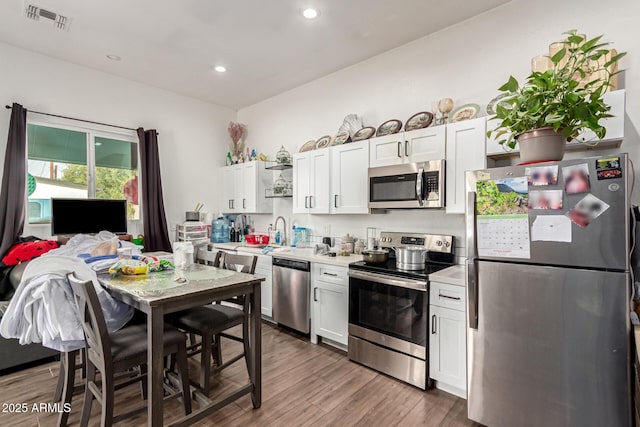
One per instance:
(191, 132)
(467, 62)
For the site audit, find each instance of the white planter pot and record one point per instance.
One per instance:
(541, 145)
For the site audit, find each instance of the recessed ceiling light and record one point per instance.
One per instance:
(220, 68)
(114, 57)
(310, 13)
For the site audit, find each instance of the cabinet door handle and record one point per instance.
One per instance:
(433, 324)
(310, 202)
(330, 274)
(335, 200)
(229, 203)
(399, 148)
(406, 148)
(306, 205)
(447, 296)
(315, 294)
(233, 204)
(244, 203)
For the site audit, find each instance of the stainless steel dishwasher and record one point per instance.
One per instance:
(291, 289)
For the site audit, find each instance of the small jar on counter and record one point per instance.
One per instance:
(347, 245)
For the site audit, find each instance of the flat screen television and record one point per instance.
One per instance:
(88, 216)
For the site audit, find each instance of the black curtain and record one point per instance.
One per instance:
(156, 236)
(12, 195)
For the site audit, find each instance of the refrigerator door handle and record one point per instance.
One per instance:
(472, 289)
(471, 225)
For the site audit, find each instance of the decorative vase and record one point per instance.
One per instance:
(541, 145)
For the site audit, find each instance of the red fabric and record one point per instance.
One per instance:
(21, 252)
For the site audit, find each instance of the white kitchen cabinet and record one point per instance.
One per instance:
(349, 178)
(311, 181)
(614, 125)
(229, 187)
(264, 269)
(465, 151)
(447, 349)
(330, 299)
(493, 148)
(418, 145)
(244, 188)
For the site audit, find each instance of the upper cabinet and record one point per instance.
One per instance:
(614, 125)
(408, 147)
(332, 180)
(349, 178)
(465, 151)
(311, 180)
(244, 188)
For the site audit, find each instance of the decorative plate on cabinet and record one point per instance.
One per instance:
(419, 121)
(492, 106)
(389, 127)
(364, 133)
(323, 142)
(308, 146)
(464, 112)
(340, 138)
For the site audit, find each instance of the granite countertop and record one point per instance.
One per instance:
(305, 254)
(454, 275)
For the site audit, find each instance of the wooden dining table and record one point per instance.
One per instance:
(160, 293)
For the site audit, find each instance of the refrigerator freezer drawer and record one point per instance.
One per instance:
(551, 347)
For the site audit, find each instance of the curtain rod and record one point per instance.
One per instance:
(73, 118)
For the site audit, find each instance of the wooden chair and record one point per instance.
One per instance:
(119, 352)
(207, 257)
(211, 320)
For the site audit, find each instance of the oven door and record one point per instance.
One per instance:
(412, 185)
(389, 311)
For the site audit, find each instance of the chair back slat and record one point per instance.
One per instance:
(207, 257)
(96, 335)
(231, 261)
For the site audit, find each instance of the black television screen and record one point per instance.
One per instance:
(87, 216)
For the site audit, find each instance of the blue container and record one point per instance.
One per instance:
(220, 229)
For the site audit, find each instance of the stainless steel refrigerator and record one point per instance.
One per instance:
(549, 294)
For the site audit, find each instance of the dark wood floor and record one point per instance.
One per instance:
(303, 384)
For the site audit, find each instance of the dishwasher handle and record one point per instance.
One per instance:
(294, 264)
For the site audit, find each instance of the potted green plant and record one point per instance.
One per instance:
(555, 105)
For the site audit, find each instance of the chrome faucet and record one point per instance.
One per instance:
(283, 242)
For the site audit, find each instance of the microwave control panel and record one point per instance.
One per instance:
(432, 185)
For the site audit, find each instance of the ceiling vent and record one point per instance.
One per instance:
(36, 13)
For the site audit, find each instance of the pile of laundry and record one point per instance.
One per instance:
(43, 310)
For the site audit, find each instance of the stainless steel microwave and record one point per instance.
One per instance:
(407, 186)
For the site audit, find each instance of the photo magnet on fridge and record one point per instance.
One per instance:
(576, 179)
(547, 199)
(542, 175)
(587, 210)
(608, 168)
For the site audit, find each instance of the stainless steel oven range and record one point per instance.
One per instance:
(389, 307)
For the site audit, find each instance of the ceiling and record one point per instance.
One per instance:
(266, 46)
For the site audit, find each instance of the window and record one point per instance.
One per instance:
(67, 162)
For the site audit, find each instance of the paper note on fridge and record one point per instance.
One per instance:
(551, 228)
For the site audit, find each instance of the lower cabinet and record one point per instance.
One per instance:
(447, 339)
(264, 269)
(330, 299)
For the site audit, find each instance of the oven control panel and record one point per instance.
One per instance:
(431, 242)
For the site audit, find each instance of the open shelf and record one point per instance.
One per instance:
(279, 197)
(279, 167)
